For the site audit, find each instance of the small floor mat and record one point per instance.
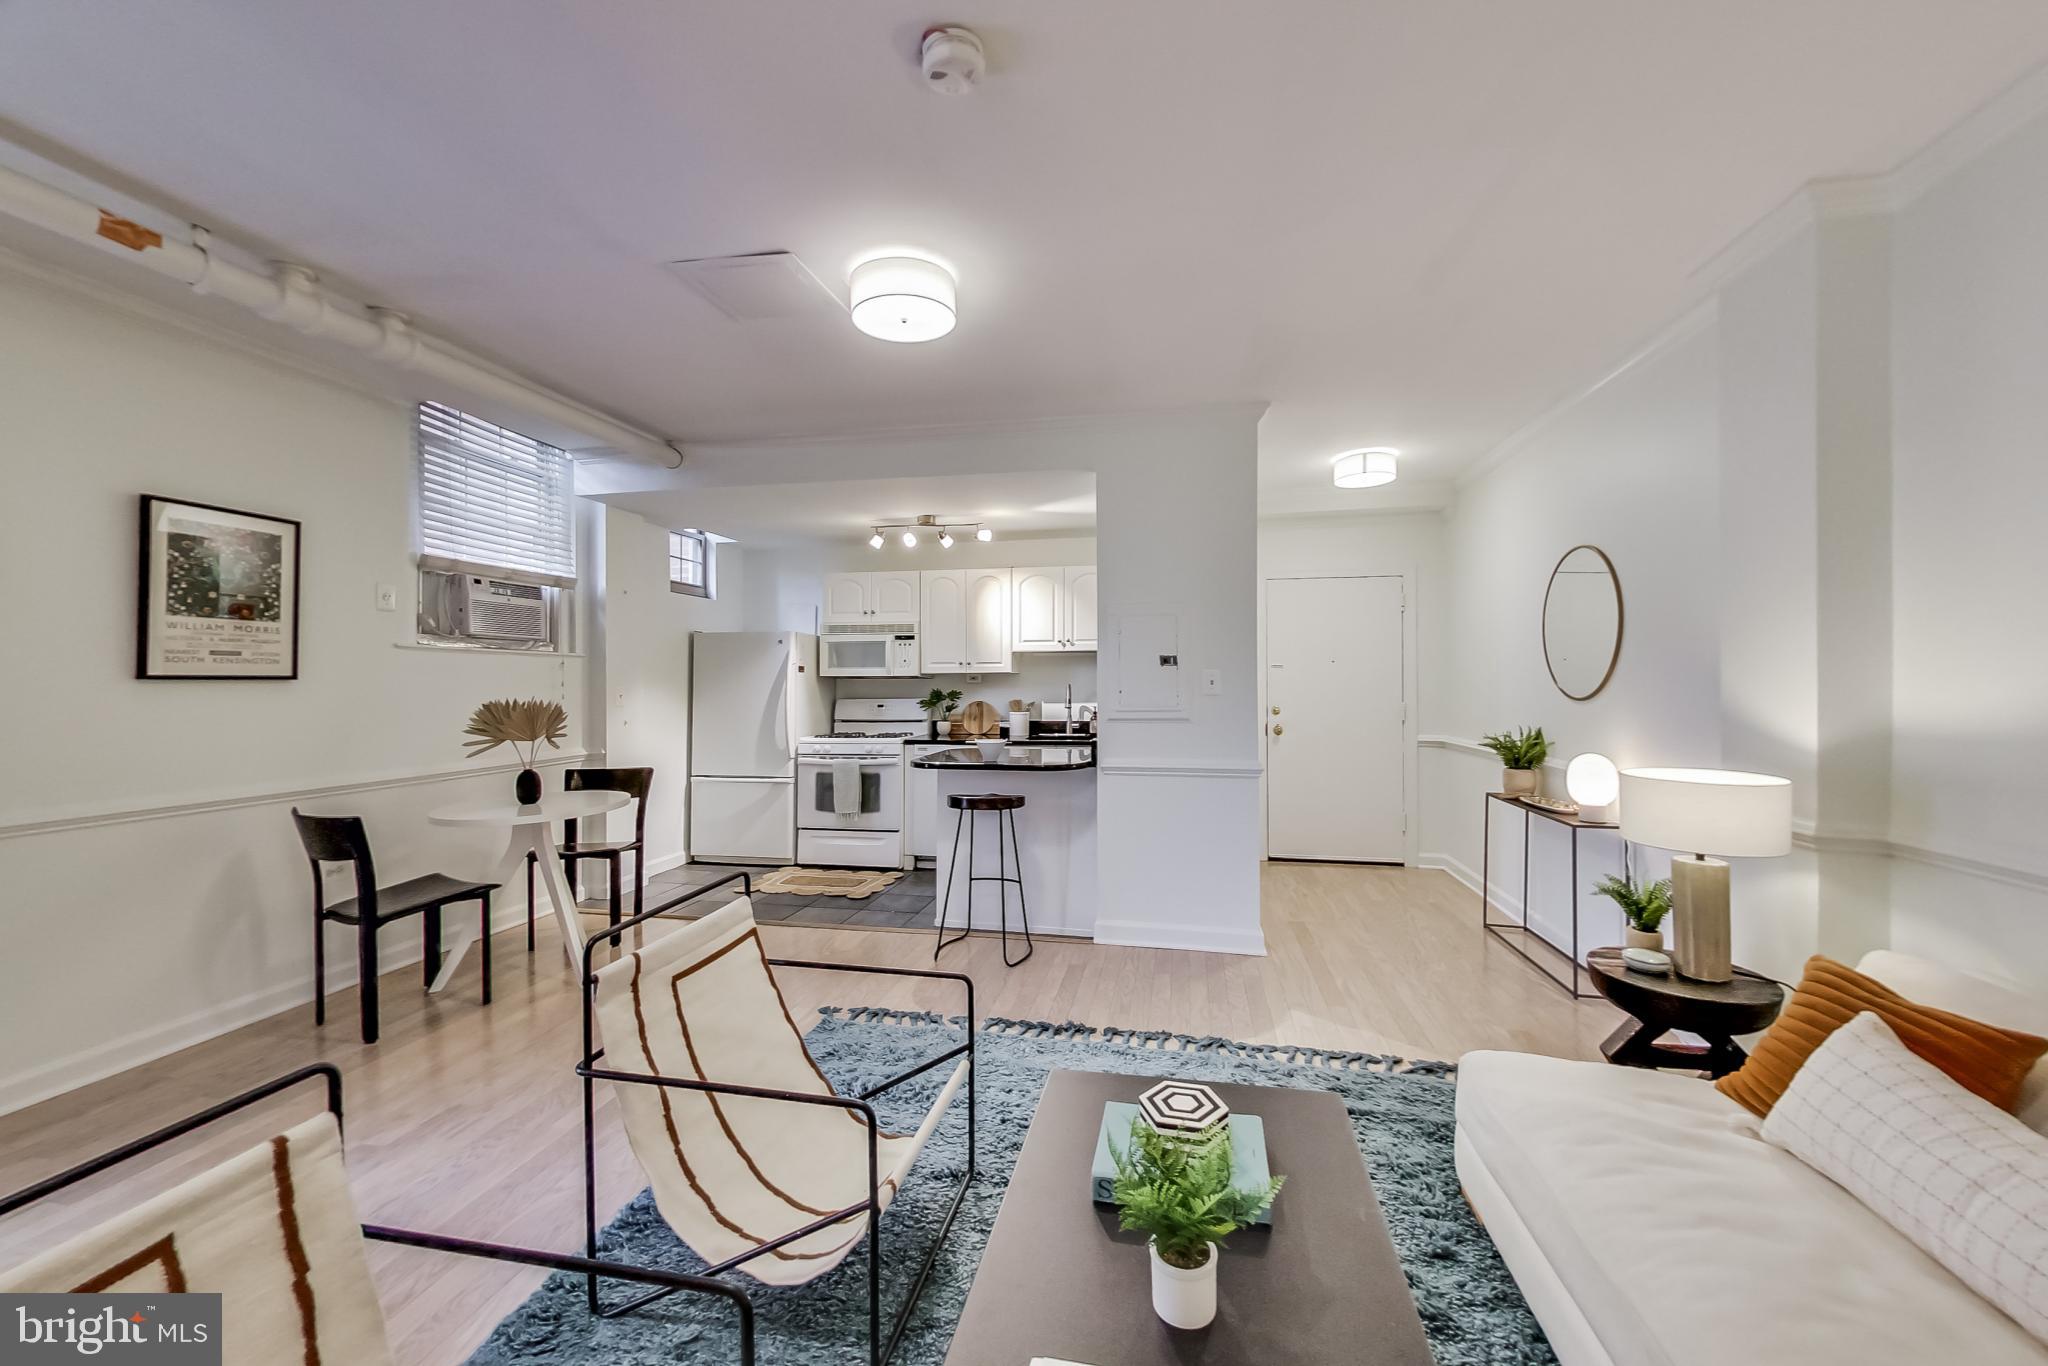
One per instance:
(853, 883)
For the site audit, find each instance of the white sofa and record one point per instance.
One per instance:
(1649, 1224)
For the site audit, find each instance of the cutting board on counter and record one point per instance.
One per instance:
(976, 719)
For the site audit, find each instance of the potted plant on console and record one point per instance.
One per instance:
(1644, 908)
(1178, 1190)
(1521, 755)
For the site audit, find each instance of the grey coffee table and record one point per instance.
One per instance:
(1322, 1285)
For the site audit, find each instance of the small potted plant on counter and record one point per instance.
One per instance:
(939, 704)
(1177, 1190)
(1644, 908)
(1521, 755)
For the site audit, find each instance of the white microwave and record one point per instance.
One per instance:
(864, 652)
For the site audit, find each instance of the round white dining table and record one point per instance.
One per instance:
(532, 831)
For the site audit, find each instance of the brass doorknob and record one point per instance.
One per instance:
(1276, 711)
(1279, 730)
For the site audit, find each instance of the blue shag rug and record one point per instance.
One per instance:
(1401, 1112)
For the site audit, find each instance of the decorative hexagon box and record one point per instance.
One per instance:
(1182, 1108)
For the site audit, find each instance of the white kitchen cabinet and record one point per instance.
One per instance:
(872, 597)
(1037, 594)
(1054, 609)
(964, 622)
(1080, 591)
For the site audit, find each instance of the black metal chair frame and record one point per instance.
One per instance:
(669, 1281)
(1002, 896)
(880, 1351)
(602, 780)
(354, 850)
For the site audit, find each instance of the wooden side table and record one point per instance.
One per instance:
(1716, 1011)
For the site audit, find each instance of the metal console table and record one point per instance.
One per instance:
(1499, 928)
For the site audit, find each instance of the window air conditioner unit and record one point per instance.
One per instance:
(468, 607)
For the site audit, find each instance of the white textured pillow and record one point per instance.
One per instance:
(1965, 1181)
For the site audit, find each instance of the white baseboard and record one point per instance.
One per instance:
(1149, 934)
(68, 1073)
(1503, 900)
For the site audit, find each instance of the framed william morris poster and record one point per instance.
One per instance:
(219, 593)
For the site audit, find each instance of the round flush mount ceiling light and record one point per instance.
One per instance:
(1365, 468)
(902, 298)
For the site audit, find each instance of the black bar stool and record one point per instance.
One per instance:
(999, 803)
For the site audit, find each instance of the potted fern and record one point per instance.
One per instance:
(1521, 754)
(531, 723)
(1177, 1190)
(1643, 907)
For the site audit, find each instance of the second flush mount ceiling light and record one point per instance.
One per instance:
(902, 298)
(1365, 468)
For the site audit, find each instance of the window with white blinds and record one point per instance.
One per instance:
(493, 501)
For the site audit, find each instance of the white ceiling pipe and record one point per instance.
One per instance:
(291, 295)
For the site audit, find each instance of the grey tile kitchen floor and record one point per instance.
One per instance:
(906, 904)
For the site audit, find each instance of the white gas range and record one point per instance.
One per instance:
(849, 784)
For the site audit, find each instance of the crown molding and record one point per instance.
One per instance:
(2004, 114)
(940, 431)
(1688, 324)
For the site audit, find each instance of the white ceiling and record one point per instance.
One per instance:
(1402, 222)
(845, 512)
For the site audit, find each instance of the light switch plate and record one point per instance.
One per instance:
(387, 597)
(1212, 682)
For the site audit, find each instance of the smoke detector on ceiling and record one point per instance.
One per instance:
(953, 60)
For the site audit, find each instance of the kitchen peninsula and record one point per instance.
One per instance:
(1055, 834)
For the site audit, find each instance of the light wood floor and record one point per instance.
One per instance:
(467, 1121)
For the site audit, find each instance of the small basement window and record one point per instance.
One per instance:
(690, 564)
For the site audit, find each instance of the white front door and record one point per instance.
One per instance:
(1335, 743)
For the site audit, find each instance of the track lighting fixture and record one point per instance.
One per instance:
(907, 532)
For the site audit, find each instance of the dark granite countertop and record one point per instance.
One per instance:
(1049, 758)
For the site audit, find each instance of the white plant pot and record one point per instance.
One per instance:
(1518, 782)
(1643, 939)
(1184, 1299)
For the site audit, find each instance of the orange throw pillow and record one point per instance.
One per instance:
(1988, 1061)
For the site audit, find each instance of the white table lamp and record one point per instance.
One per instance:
(1701, 812)
(1593, 782)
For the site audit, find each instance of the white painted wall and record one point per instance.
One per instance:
(645, 651)
(1629, 467)
(144, 828)
(1970, 637)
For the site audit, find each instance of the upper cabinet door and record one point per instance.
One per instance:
(847, 598)
(987, 620)
(1080, 601)
(943, 631)
(893, 596)
(1039, 596)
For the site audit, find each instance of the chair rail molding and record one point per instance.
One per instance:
(1805, 835)
(92, 817)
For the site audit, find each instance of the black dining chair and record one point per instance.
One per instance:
(634, 782)
(342, 839)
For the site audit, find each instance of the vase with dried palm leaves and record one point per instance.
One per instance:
(513, 722)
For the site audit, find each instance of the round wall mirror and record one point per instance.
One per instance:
(1582, 622)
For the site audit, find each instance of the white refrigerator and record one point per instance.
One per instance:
(753, 695)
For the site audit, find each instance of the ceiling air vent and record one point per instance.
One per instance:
(759, 286)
